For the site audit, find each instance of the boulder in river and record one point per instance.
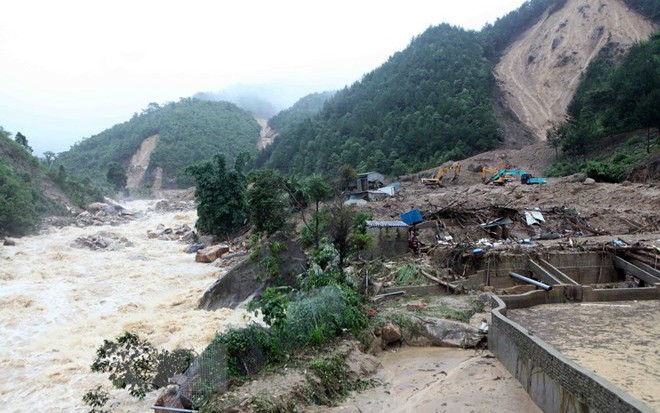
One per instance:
(212, 253)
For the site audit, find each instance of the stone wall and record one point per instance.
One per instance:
(555, 383)
(388, 242)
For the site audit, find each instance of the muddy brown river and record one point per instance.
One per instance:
(59, 303)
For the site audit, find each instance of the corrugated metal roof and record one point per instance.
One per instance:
(386, 224)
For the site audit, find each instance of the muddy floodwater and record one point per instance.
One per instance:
(618, 340)
(439, 380)
(58, 303)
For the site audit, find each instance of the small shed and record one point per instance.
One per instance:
(390, 238)
(370, 180)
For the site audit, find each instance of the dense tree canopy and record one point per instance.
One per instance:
(220, 194)
(428, 103)
(615, 97)
(190, 131)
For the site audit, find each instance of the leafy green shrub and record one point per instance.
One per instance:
(96, 399)
(135, 364)
(322, 314)
(272, 305)
(248, 349)
(327, 255)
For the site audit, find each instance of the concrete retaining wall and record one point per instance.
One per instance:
(555, 383)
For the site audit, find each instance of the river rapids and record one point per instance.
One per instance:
(60, 302)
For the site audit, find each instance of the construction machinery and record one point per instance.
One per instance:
(502, 176)
(437, 180)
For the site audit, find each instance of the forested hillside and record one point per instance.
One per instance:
(31, 189)
(306, 107)
(190, 131)
(615, 96)
(427, 104)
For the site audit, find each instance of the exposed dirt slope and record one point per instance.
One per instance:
(140, 162)
(538, 74)
(267, 135)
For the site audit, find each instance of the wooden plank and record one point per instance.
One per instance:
(558, 273)
(635, 271)
(542, 273)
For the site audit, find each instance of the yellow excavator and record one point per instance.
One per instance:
(437, 179)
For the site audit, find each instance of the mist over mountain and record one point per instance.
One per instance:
(262, 100)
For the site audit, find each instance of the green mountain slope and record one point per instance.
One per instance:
(428, 103)
(30, 190)
(190, 131)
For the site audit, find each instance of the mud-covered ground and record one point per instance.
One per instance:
(614, 339)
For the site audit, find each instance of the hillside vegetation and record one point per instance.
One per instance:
(428, 103)
(190, 131)
(613, 98)
(432, 102)
(31, 190)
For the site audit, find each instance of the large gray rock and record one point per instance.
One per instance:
(248, 279)
(447, 333)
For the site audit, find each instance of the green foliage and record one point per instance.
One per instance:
(361, 218)
(321, 314)
(267, 201)
(310, 234)
(135, 364)
(325, 256)
(612, 164)
(191, 131)
(22, 140)
(97, 399)
(316, 189)
(17, 213)
(220, 195)
(248, 349)
(116, 176)
(304, 108)
(596, 110)
(273, 304)
(426, 104)
(407, 275)
(331, 372)
(24, 182)
(648, 8)
(498, 36)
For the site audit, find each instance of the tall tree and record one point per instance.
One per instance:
(49, 157)
(316, 190)
(22, 140)
(220, 194)
(267, 201)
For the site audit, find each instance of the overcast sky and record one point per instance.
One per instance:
(70, 69)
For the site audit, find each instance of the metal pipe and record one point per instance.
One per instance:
(531, 281)
(174, 409)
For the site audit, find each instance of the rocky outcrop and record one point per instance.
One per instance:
(247, 279)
